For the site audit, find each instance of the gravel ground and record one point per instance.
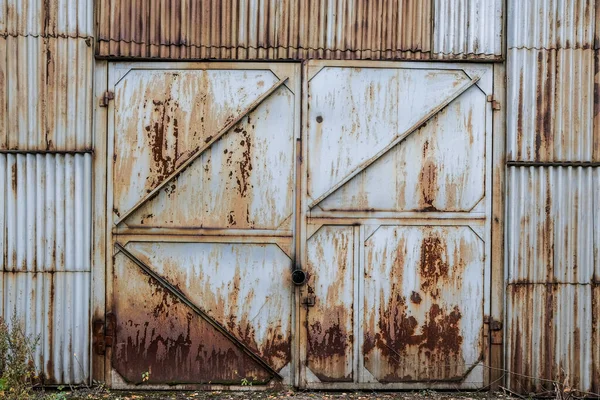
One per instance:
(100, 393)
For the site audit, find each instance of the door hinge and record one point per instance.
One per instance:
(495, 103)
(104, 333)
(106, 97)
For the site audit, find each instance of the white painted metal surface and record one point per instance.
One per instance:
(551, 24)
(53, 307)
(550, 225)
(45, 94)
(467, 29)
(201, 204)
(551, 105)
(45, 212)
(397, 225)
(47, 18)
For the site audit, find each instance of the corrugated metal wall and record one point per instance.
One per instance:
(46, 64)
(300, 29)
(552, 240)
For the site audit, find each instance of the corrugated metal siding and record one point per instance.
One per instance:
(552, 220)
(549, 227)
(265, 29)
(550, 105)
(45, 93)
(45, 212)
(549, 337)
(556, 24)
(48, 18)
(55, 308)
(467, 29)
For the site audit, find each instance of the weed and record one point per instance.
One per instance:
(17, 369)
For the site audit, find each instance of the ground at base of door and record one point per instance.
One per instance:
(267, 395)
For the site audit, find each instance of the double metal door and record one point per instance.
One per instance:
(371, 178)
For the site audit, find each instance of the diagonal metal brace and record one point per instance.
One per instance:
(200, 150)
(183, 298)
(395, 140)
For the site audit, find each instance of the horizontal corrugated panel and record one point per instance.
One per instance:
(551, 24)
(53, 307)
(550, 228)
(45, 93)
(45, 212)
(550, 105)
(53, 18)
(467, 29)
(264, 29)
(549, 337)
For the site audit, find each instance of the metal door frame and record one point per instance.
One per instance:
(102, 236)
(493, 226)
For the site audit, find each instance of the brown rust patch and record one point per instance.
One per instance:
(433, 265)
(415, 298)
(163, 136)
(428, 178)
(157, 333)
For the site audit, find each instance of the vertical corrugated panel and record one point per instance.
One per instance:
(549, 225)
(596, 217)
(50, 18)
(45, 93)
(549, 337)
(467, 29)
(551, 24)
(550, 105)
(45, 212)
(53, 307)
(264, 29)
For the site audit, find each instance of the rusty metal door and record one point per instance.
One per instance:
(202, 170)
(396, 210)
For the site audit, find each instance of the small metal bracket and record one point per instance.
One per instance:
(308, 301)
(495, 104)
(494, 324)
(106, 97)
(104, 333)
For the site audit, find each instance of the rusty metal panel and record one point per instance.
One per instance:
(551, 101)
(467, 29)
(201, 179)
(550, 228)
(45, 212)
(233, 290)
(53, 307)
(45, 94)
(596, 339)
(345, 132)
(245, 179)
(558, 24)
(330, 322)
(386, 149)
(47, 18)
(423, 321)
(596, 226)
(549, 337)
(156, 332)
(265, 29)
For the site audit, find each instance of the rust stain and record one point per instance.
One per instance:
(433, 265)
(161, 335)
(428, 181)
